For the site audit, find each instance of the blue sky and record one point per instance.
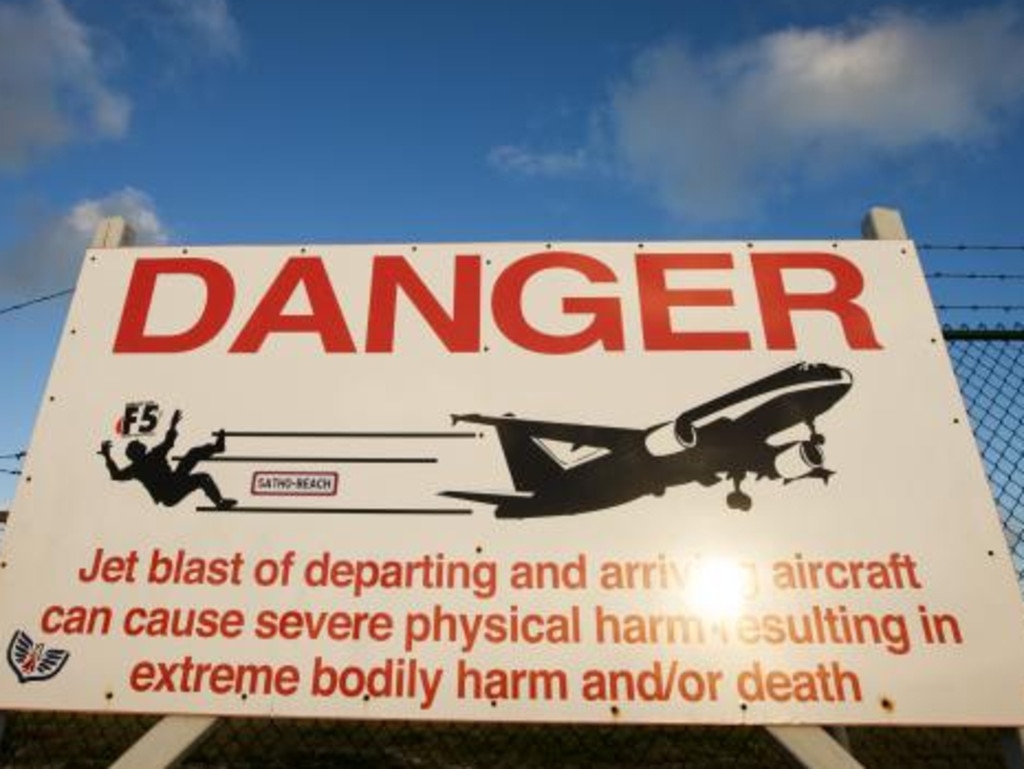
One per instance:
(217, 122)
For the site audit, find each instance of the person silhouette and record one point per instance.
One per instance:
(151, 468)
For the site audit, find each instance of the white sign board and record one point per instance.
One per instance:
(661, 482)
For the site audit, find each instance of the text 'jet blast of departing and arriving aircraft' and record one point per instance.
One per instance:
(562, 468)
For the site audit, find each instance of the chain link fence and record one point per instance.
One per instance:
(990, 367)
(49, 740)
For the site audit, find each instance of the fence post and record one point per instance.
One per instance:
(113, 232)
(811, 745)
(883, 224)
(814, 747)
(887, 224)
(168, 743)
(172, 738)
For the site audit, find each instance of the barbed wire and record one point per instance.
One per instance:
(981, 307)
(980, 332)
(37, 300)
(997, 327)
(969, 247)
(975, 275)
(921, 247)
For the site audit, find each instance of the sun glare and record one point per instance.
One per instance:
(717, 588)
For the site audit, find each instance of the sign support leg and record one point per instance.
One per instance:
(887, 224)
(883, 224)
(813, 747)
(173, 737)
(1013, 748)
(113, 232)
(168, 743)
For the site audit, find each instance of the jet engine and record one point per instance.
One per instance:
(797, 460)
(671, 438)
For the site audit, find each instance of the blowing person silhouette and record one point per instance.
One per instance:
(151, 468)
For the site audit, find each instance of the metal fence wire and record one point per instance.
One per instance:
(990, 367)
(991, 375)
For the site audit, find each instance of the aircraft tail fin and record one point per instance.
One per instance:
(529, 464)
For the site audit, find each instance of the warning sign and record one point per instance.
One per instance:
(659, 482)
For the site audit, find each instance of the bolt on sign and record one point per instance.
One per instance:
(662, 482)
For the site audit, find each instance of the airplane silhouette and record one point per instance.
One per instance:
(562, 468)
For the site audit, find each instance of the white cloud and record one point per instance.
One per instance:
(716, 134)
(207, 24)
(48, 257)
(519, 160)
(52, 87)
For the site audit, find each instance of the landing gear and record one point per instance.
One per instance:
(814, 455)
(737, 499)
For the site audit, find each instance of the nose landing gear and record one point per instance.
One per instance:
(737, 499)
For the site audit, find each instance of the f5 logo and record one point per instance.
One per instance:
(139, 418)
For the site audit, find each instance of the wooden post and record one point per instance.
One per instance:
(172, 738)
(883, 224)
(113, 232)
(168, 743)
(813, 746)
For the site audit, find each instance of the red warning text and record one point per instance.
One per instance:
(664, 285)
